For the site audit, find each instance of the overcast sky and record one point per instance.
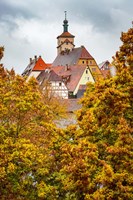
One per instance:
(30, 27)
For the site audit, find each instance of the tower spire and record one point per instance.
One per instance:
(65, 14)
(65, 41)
(65, 22)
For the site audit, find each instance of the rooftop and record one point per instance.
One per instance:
(72, 57)
(66, 34)
(74, 73)
(36, 64)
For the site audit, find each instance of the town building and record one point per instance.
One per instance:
(70, 71)
(65, 81)
(105, 68)
(65, 41)
(35, 67)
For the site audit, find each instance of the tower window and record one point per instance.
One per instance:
(83, 62)
(86, 71)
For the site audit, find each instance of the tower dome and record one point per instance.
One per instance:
(65, 23)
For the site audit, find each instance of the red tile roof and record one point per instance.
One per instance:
(40, 65)
(73, 72)
(85, 54)
(36, 64)
(49, 64)
(66, 34)
(49, 75)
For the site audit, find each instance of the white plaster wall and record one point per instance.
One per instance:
(34, 74)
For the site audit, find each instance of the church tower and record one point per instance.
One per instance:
(65, 41)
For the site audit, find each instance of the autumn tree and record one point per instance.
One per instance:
(98, 156)
(124, 57)
(1, 52)
(90, 160)
(27, 135)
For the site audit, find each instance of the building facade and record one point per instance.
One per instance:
(70, 71)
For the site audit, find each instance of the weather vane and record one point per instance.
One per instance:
(65, 14)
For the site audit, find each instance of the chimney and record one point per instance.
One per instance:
(30, 60)
(35, 58)
(66, 67)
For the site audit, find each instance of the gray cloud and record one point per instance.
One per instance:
(13, 10)
(99, 13)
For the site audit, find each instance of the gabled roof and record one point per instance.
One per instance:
(85, 54)
(72, 57)
(40, 65)
(36, 64)
(70, 76)
(66, 34)
(103, 63)
(48, 75)
(73, 72)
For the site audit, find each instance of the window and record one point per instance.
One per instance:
(106, 66)
(60, 84)
(86, 71)
(83, 61)
(87, 62)
(90, 62)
